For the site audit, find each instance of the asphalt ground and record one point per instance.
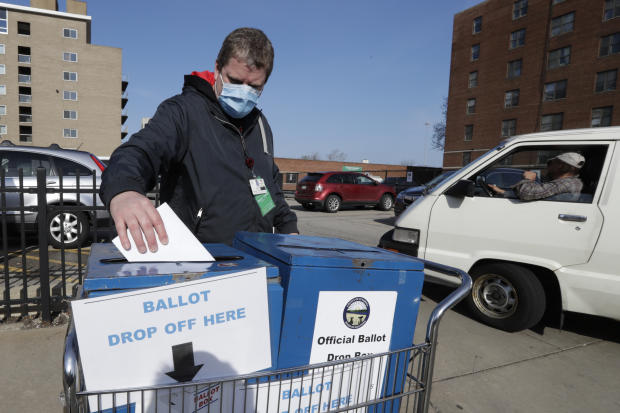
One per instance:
(478, 369)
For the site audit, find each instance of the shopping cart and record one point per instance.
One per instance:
(396, 381)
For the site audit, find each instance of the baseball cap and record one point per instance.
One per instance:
(571, 158)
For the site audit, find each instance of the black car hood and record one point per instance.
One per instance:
(416, 190)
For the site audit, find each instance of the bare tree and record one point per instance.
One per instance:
(311, 157)
(439, 128)
(336, 155)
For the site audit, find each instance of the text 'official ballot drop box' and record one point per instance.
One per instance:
(341, 299)
(109, 273)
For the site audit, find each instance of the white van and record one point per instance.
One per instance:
(526, 256)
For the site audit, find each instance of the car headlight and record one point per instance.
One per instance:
(401, 195)
(318, 188)
(409, 236)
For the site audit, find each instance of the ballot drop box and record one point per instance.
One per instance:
(342, 300)
(144, 324)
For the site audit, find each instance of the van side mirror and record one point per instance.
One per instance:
(463, 188)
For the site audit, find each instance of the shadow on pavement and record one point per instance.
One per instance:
(387, 221)
(581, 324)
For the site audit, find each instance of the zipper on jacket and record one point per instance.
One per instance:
(198, 219)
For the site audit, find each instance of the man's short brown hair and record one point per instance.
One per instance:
(249, 45)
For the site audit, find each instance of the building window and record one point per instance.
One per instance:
(519, 9)
(4, 27)
(69, 57)
(612, 9)
(601, 116)
(23, 74)
(291, 177)
(69, 95)
(25, 133)
(70, 76)
(2, 89)
(514, 69)
(511, 98)
(562, 24)
(69, 114)
(558, 58)
(70, 133)
(606, 81)
(471, 106)
(517, 38)
(477, 25)
(509, 128)
(23, 28)
(2, 69)
(557, 1)
(25, 114)
(23, 54)
(610, 45)
(475, 52)
(2, 129)
(473, 79)
(466, 158)
(70, 33)
(469, 132)
(555, 90)
(2, 50)
(551, 122)
(2, 110)
(25, 94)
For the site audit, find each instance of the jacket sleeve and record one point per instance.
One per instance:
(285, 220)
(134, 165)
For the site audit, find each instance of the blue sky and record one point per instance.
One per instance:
(359, 76)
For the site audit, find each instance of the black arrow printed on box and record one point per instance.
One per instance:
(183, 359)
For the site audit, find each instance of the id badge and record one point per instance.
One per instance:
(265, 203)
(258, 186)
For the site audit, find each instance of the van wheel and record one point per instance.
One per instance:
(506, 296)
(386, 202)
(67, 229)
(332, 203)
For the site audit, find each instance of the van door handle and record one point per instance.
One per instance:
(572, 218)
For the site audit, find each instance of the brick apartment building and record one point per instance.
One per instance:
(55, 86)
(530, 65)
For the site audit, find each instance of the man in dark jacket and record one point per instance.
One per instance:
(213, 150)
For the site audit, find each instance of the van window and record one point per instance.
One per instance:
(506, 172)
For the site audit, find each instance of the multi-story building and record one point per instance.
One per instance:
(55, 86)
(530, 65)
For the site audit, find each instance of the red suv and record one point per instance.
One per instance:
(331, 190)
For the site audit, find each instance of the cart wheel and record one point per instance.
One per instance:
(506, 296)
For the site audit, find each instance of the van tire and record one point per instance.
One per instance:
(332, 203)
(506, 296)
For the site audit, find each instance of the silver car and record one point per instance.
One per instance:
(65, 228)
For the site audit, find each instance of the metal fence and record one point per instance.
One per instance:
(30, 211)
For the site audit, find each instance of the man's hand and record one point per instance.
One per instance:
(530, 175)
(132, 210)
(496, 189)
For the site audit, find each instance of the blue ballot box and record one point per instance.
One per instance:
(316, 269)
(108, 273)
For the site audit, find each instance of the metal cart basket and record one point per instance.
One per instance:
(396, 381)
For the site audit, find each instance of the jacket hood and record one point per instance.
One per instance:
(203, 82)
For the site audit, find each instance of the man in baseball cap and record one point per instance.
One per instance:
(561, 178)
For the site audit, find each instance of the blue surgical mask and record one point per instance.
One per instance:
(237, 100)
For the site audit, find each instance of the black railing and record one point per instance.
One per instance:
(40, 274)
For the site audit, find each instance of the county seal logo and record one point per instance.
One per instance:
(356, 312)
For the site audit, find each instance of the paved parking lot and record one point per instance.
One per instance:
(478, 369)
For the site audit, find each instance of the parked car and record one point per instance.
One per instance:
(502, 177)
(407, 196)
(331, 190)
(68, 228)
(525, 257)
(399, 183)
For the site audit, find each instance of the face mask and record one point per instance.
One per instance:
(237, 100)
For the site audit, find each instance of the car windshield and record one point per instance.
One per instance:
(439, 178)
